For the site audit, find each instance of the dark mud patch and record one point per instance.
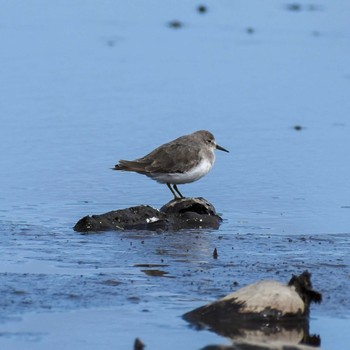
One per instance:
(156, 273)
(150, 265)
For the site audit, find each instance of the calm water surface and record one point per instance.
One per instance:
(87, 84)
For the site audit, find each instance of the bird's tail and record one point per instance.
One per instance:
(128, 165)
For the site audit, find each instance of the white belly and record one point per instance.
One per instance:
(183, 178)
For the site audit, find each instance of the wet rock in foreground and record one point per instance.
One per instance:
(184, 213)
(263, 312)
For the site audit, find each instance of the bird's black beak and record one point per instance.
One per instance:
(222, 148)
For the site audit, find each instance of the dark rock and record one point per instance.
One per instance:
(138, 344)
(142, 217)
(184, 213)
(184, 205)
(266, 307)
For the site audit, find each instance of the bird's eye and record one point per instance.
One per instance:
(210, 140)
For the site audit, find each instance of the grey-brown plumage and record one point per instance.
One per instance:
(183, 160)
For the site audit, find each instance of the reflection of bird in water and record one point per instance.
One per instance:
(266, 311)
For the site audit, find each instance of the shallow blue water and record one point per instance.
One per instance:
(85, 85)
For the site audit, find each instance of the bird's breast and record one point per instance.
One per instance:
(193, 174)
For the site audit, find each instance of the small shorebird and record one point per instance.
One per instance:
(181, 161)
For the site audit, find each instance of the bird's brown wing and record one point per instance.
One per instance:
(173, 157)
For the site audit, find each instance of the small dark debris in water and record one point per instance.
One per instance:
(296, 7)
(175, 24)
(313, 7)
(134, 299)
(19, 292)
(293, 7)
(202, 9)
(110, 43)
(150, 265)
(155, 273)
(235, 284)
(340, 124)
(111, 282)
(138, 344)
(250, 30)
(297, 127)
(215, 253)
(73, 296)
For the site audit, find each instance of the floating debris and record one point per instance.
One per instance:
(150, 265)
(293, 7)
(175, 24)
(202, 9)
(112, 282)
(296, 7)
